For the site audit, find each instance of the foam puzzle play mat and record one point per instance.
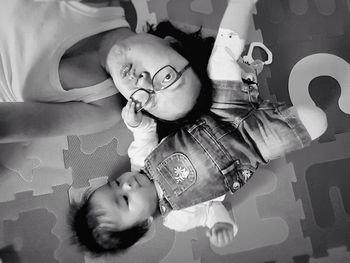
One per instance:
(295, 209)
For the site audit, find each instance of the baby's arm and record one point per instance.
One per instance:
(144, 130)
(211, 214)
(230, 41)
(222, 229)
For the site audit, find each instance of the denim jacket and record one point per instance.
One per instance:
(210, 157)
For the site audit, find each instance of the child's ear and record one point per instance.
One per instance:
(76, 195)
(171, 40)
(150, 221)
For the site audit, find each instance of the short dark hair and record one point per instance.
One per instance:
(96, 240)
(197, 50)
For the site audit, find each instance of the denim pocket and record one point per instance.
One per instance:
(286, 114)
(178, 171)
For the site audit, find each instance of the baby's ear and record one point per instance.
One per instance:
(76, 194)
(150, 221)
(171, 40)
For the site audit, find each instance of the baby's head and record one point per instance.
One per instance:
(116, 215)
(167, 62)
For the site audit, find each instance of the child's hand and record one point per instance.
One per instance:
(130, 116)
(221, 234)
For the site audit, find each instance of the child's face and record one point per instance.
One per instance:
(147, 54)
(120, 204)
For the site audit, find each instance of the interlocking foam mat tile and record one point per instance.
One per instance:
(296, 208)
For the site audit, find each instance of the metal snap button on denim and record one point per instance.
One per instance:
(177, 192)
(236, 185)
(163, 208)
(237, 121)
(191, 177)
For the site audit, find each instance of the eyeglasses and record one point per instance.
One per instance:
(163, 79)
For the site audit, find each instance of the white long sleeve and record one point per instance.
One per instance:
(145, 140)
(205, 214)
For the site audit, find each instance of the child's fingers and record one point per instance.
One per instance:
(214, 240)
(226, 238)
(208, 233)
(231, 235)
(130, 102)
(124, 112)
(138, 115)
(214, 236)
(135, 105)
(221, 239)
(132, 107)
(138, 106)
(132, 111)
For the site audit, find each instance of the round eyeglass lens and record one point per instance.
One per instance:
(141, 96)
(164, 78)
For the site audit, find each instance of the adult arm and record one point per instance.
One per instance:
(101, 3)
(97, 3)
(21, 121)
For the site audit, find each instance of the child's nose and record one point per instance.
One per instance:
(126, 186)
(144, 81)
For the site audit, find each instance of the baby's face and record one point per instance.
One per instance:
(144, 55)
(124, 202)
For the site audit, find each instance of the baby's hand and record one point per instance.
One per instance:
(130, 116)
(221, 234)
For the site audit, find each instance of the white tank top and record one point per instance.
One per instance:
(34, 35)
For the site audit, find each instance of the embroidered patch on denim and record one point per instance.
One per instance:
(181, 173)
(177, 172)
(246, 175)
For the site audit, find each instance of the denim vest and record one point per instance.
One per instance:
(205, 159)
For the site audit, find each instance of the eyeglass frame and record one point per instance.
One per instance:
(154, 91)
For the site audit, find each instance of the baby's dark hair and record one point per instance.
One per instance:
(197, 50)
(98, 241)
